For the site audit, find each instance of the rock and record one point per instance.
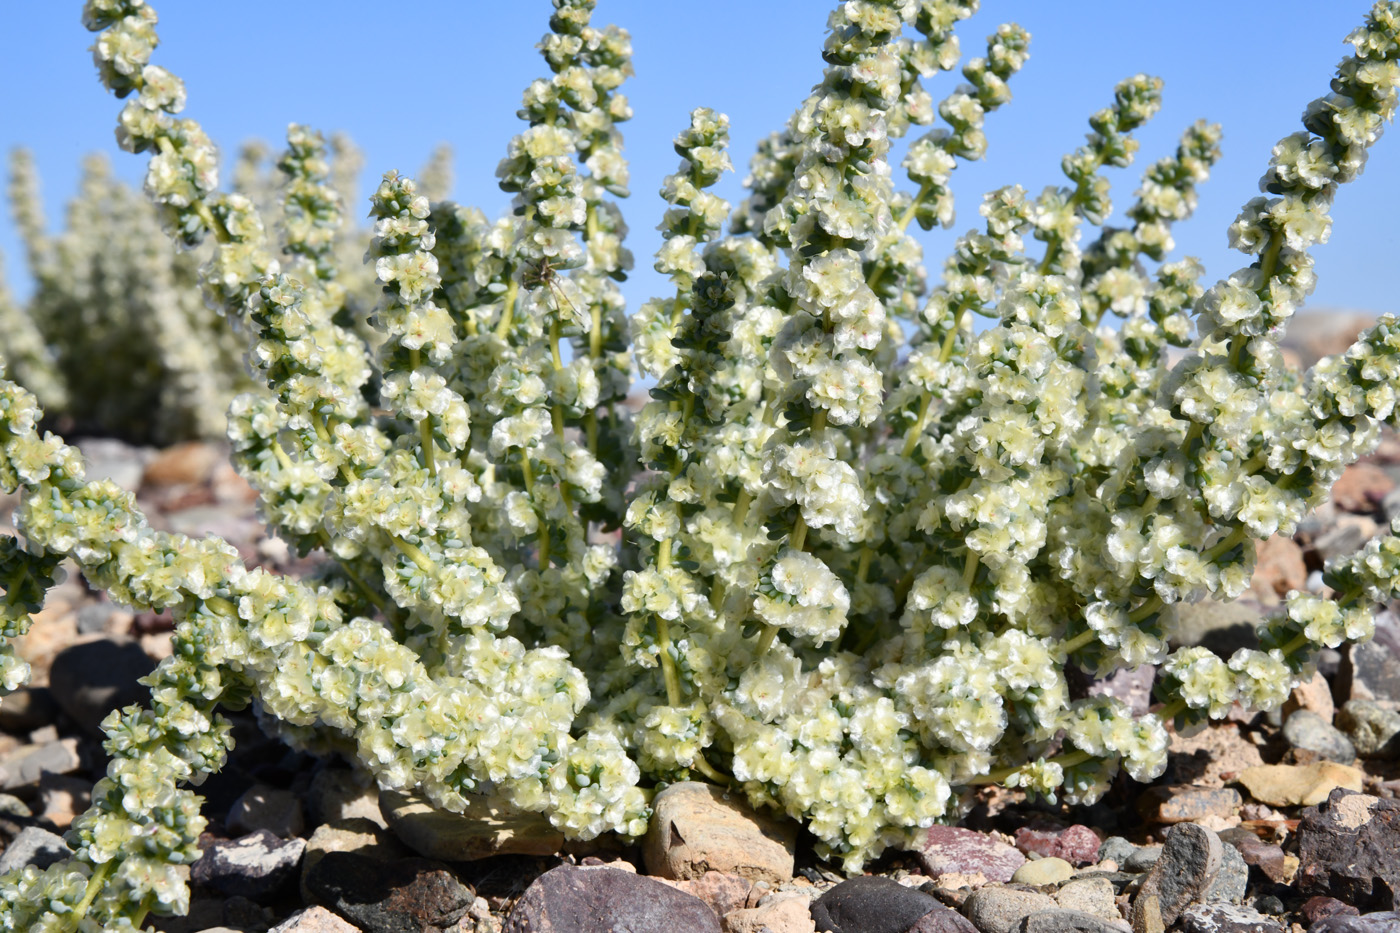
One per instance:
(239, 913)
(1191, 857)
(1345, 537)
(1230, 882)
(27, 709)
(256, 866)
(1371, 670)
(104, 458)
(24, 766)
(1278, 568)
(270, 808)
(1226, 918)
(484, 829)
(1374, 730)
(92, 678)
(1380, 922)
(871, 904)
(1143, 859)
(1390, 505)
(34, 846)
(572, 900)
(1308, 731)
(724, 892)
(1220, 626)
(412, 895)
(943, 849)
(1268, 858)
(1349, 847)
(780, 913)
(360, 836)
(1131, 685)
(1115, 849)
(1315, 695)
(1298, 785)
(1207, 757)
(943, 920)
(1091, 896)
(999, 910)
(184, 464)
(1182, 804)
(1044, 871)
(343, 794)
(1362, 488)
(1077, 844)
(62, 797)
(314, 920)
(1067, 921)
(1321, 906)
(1321, 332)
(698, 827)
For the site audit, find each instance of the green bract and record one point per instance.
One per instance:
(844, 555)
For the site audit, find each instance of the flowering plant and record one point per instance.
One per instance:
(844, 555)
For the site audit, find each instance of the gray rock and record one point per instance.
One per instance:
(1374, 730)
(1091, 896)
(870, 904)
(1116, 849)
(92, 618)
(1230, 881)
(25, 765)
(1391, 504)
(1142, 859)
(605, 900)
(1223, 627)
(256, 866)
(1385, 921)
(343, 794)
(1225, 918)
(1308, 731)
(1342, 539)
(404, 896)
(999, 910)
(270, 808)
(104, 458)
(943, 920)
(1371, 670)
(1067, 921)
(34, 846)
(92, 678)
(1190, 860)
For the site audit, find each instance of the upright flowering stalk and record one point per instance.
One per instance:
(26, 354)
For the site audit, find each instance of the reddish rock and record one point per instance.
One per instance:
(943, 849)
(1267, 857)
(1361, 488)
(1349, 847)
(595, 900)
(1321, 907)
(1278, 568)
(188, 463)
(1077, 844)
(1187, 804)
(723, 891)
(407, 894)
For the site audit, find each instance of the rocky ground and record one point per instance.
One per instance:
(1263, 823)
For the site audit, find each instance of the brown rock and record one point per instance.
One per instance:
(1190, 861)
(1361, 488)
(1268, 858)
(944, 849)
(183, 464)
(1299, 785)
(724, 892)
(780, 913)
(1315, 696)
(1188, 804)
(1278, 568)
(1321, 907)
(696, 828)
(1349, 847)
(1204, 759)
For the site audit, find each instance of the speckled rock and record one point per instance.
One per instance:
(998, 910)
(1182, 804)
(1308, 731)
(1231, 881)
(943, 849)
(1350, 849)
(1190, 859)
(1115, 849)
(1067, 921)
(1373, 729)
(256, 866)
(1077, 844)
(1226, 918)
(1091, 896)
(34, 846)
(697, 827)
(1143, 858)
(1385, 921)
(412, 895)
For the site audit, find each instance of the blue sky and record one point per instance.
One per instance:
(402, 77)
